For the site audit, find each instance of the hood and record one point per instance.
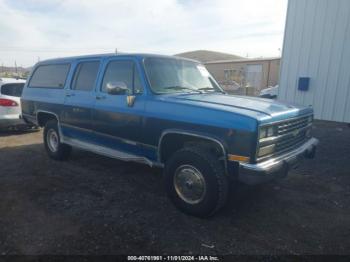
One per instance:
(259, 108)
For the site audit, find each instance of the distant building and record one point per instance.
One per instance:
(236, 74)
(315, 67)
(13, 72)
(207, 56)
(245, 76)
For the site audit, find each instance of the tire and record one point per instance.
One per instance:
(58, 150)
(185, 164)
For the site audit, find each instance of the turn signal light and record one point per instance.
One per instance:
(238, 158)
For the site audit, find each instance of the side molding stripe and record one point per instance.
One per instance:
(126, 141)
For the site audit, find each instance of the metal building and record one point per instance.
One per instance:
(315, 66)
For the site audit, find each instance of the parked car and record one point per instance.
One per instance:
(10, 106)
(166, 112)
(270, 92)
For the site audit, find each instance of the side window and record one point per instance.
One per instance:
(12, 89)
(123, 71)
(50, 76)
(85, 76)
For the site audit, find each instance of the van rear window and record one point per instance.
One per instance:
(50, 76)
(12, 89)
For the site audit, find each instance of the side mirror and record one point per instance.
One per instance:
(116, 88)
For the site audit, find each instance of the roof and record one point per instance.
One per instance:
(137, 55)
(207, 56)
(244, 60)
(77, 57)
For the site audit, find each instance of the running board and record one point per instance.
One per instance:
(101, 150)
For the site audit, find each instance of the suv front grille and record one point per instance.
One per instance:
(291, 141)
(292, 125)
(289, 135)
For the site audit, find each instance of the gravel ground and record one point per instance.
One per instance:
(96, 205)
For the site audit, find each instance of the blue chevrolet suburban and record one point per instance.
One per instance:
(166, 112)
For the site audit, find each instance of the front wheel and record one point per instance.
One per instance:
(196, 182)
(52, 140)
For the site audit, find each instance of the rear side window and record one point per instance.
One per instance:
(50, 76)
(12, 89)
(123, 71)
(85, 76)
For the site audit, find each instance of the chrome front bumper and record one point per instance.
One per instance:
(276, 167)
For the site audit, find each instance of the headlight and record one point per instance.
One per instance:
(270, 131)
(263, 133)
(265, 145)
(267, 132)
(266, 150)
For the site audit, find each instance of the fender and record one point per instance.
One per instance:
(46, 112)
(56, 116)
(193, 134)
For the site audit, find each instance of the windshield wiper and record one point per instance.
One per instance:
(182, 88)
(210, 89)
(207, 89)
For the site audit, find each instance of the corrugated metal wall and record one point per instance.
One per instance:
(317, 45)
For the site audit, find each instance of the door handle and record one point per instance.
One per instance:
(70, 94)
(98, 97)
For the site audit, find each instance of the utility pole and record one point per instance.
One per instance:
(16, 66)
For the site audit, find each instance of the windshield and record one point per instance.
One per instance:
(171, 75)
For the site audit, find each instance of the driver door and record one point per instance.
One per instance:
(117, 123)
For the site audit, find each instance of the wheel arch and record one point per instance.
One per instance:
(187, 136)
(43, 116)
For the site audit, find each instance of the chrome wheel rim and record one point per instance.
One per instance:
(189, 184)
(52, 140)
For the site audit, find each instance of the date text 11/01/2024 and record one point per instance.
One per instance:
(173, 258)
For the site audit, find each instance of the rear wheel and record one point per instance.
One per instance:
(52, 140)
(196, 182)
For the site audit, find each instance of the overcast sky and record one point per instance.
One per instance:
(33, 29)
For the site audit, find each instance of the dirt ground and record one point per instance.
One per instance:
(96, 205)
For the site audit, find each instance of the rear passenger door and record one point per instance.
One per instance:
(117, 124)
(80, 99)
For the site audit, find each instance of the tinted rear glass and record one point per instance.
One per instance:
(12, 89)
(50, 76)
(85, 76)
